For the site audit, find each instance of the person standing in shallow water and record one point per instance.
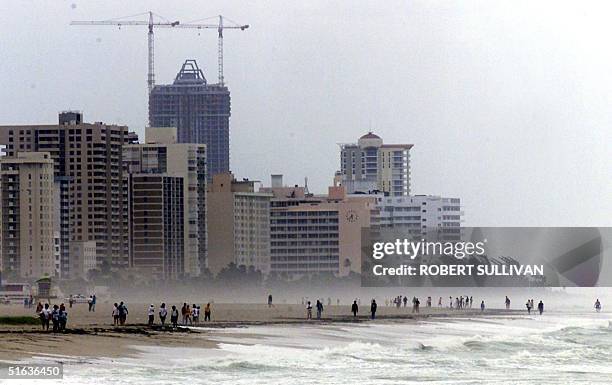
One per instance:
(373, 308)
(355, 308)
(308, 310)
(597, 305)
(482, 306)
(541, 307)
(528, 304)
(319, 309)
(507, 303)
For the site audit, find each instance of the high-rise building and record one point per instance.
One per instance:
(313, 234)
(239, 224)
(90, 182)
(28, 241)
(200, 111)
(369, 165)
(167, 195)
(420, 215)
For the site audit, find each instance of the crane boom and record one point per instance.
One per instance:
(151, 23)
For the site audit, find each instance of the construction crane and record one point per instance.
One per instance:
(151, 23)
(219, 27)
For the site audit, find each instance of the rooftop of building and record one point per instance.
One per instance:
(370, 135)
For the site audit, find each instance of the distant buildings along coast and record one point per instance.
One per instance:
(79, 196)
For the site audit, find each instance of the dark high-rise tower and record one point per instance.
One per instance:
(200, 112)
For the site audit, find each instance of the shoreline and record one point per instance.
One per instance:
(18, 343)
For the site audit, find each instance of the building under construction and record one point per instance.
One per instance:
(200, 112)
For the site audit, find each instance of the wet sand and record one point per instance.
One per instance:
(91, 334)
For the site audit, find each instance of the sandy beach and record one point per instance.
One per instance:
(91, 334)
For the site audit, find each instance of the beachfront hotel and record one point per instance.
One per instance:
(27, 220)
(313, 234)
(167, 205)
(239, 224)
(370, 165)
(87, 162)
(419, 215)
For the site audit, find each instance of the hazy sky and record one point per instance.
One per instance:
(508, 103)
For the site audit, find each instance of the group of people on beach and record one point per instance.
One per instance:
(190, 315)
(530, 306)
(56, 315)
(460, 302)
(120, 313)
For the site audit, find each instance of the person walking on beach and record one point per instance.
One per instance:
(597, 305)
(471, 301)
(541, 307)
(507, 303)
(195, 314)
(269, 300)
(63, 318)
(188, 315)
(482, 306)
(123, 312)
(115, 314)
(184, 313)
(373, 308)
(151, 314)
(319, 309)
(405, 301)
(163, 312)
(93, 303)
(55, 318)
(70, 301)
(45, 316)
(528, 304)
(308, 310)
(90, 302)
(355, 308)
(174, 314)
(207, 312)
(440, 302)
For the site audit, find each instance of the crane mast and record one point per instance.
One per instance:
(151, 62)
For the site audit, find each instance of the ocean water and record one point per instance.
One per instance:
(556, 348)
